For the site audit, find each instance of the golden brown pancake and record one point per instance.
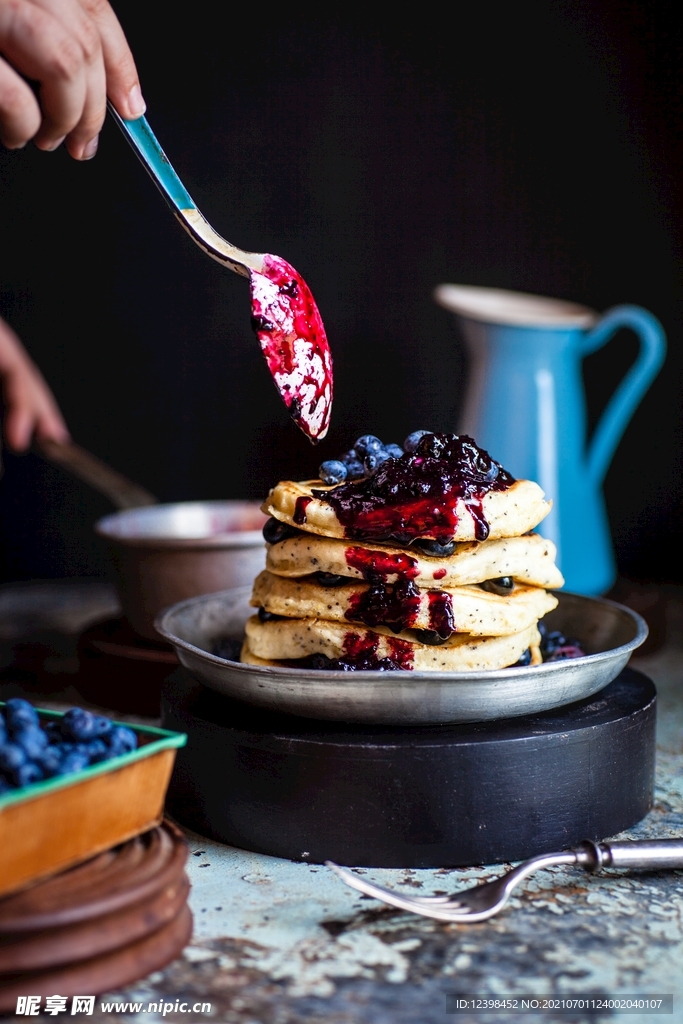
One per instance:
(472, 609)
(509, 513)
(291, 639)
(527, 559)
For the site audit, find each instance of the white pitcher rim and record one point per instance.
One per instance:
(500, 306)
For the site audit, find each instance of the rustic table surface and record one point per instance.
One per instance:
(277, 942)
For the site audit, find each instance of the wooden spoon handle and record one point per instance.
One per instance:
(121, 491)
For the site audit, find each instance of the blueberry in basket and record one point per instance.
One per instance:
(31, 751)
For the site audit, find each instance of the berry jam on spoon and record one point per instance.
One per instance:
(283, 311)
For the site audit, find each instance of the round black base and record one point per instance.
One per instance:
(414, 797)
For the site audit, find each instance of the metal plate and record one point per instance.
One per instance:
(608, 631)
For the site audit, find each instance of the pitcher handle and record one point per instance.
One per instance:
(630, 391)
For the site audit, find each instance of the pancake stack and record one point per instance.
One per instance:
(426, 562)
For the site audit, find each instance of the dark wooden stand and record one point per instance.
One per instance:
(98, 926)
(412, 797)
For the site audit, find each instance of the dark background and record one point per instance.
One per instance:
(533, 146)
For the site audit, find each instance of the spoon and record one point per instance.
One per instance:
(283, 311)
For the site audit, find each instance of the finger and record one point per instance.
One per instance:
(123, 84)
(81, 142)
(19, 112)
(31, 409)
(51, 427)
(19, 418)
(39, 46)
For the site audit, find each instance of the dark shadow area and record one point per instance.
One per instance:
(532, 146)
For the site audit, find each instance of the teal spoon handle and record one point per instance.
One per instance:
(146, 145)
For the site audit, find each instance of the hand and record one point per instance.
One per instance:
(78, 54)
(30, 406)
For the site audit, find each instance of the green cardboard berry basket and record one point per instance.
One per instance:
(53, 824)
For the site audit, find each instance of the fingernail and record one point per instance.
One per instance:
(136, 104)
(91, 148)
(52, 146)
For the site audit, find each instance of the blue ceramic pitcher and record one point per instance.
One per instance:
(525, 404)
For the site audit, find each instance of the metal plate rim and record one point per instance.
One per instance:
(549, 668)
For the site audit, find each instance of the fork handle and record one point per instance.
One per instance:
(648, 854)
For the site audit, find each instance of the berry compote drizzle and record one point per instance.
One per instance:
(361, 655)
(293, 340)
(415, 496)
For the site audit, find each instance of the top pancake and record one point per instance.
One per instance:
(509, 513)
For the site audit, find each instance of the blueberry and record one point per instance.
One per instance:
(12, 756)
(569, 649)
(5, 786)
(430, 637)
(412, 440)
(354, 464)
(433, 548)
(354, 470)
(368, 444)
(96, 750)
(333, 471)
(330, 579)
(32, 740)
(64, 747)
(372, 462)
(503, 586)
(525, 659)
(3, 729)
(121, 740)
(79, 724)
(27, 774)
(74, 761)
(320, 661)
(265, 616)
(394, 450)
(49, 761)
(53, 730)
(274, 531)
(551, 642)
(19, 713)
(103, 726)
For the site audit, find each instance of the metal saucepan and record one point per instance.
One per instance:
(163, 554)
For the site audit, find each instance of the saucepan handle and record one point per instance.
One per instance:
(625, 399)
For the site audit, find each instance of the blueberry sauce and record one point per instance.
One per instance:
(395, 605)
(441, 613)
(380, 563)
(415, 496)
(360, 655)
(300, 507)
(293, 340)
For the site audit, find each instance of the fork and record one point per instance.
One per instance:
(484, 900)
